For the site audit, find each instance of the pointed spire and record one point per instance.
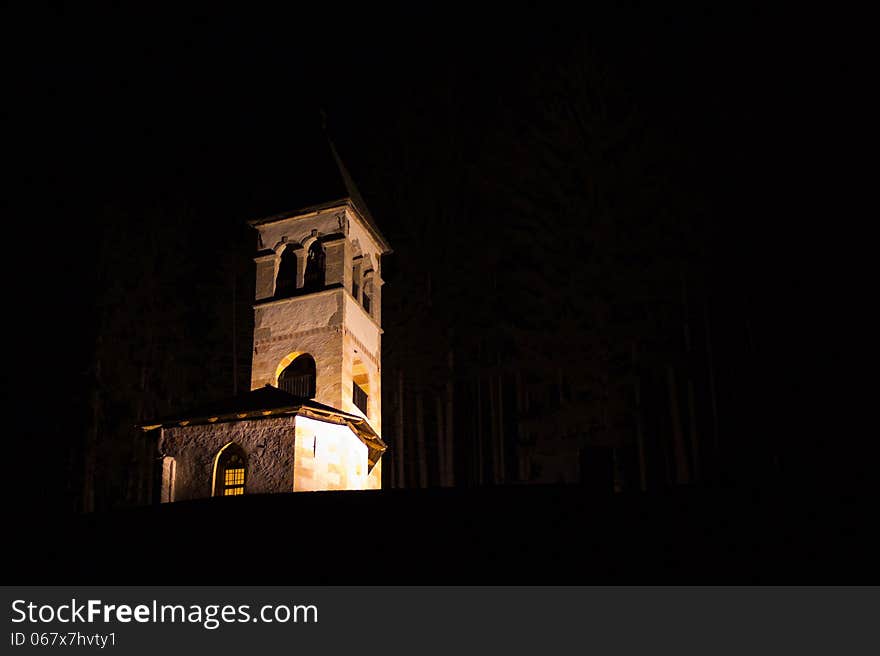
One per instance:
(312, 175)
(355, 197)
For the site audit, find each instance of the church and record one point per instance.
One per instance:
(312, 420)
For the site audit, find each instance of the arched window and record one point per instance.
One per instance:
(314, 278)
(299, 377)
(356, 279)
(285, 284)
(360, 386)
(367, 294)
(230, 471)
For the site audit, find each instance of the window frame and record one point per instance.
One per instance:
(355, 388)
(230, 454)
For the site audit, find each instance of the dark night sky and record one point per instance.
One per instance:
(114, 97)
(117, 103)
(110, 91)
(112, 101)
(106, 85)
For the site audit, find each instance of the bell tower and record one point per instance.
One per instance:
(313, 417)
(318, 301)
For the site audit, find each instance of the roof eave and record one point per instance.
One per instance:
(301, 212)
(360, 426)
(305, 212)
(372, 228)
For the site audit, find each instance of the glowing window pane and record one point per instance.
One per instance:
(234, 477)
(233, 482)
(230, 472)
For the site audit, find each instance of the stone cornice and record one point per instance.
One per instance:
(302, 333)
(305, 213)
(288, 299)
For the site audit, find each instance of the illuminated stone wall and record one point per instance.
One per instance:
(330, 325)
(361, 357)
(328, 457)
(374, 478)
(284, 454)
(303, 324)
(268, 443)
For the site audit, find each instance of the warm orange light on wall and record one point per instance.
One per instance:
(328, 457)
(360, 378)
(233, 482)
(286, 360)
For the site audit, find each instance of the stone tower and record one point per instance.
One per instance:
(313, 417)
(317, 310)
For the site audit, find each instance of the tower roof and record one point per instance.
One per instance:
(310, 176)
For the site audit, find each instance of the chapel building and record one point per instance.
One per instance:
(312, 419)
